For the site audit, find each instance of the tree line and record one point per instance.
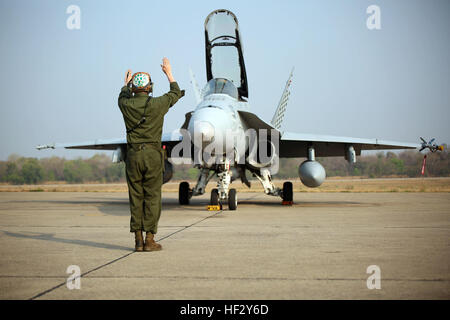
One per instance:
(99, 168)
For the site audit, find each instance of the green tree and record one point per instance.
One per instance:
(399, 165)
(53, 168)
(76, 171)
(115, 172)
(3, 165)
(32, 171)
(13, 174)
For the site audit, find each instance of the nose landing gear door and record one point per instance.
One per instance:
(224, 57)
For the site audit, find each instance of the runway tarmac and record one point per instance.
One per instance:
(319, 248)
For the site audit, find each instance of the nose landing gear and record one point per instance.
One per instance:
(232, 199)
(214, 201)
(222, 193)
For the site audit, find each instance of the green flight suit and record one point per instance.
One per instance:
(145, 158)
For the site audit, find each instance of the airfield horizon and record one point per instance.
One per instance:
(332, 184)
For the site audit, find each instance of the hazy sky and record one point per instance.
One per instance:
(61, 85)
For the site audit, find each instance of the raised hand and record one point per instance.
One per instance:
(128, 76)
(167, 69)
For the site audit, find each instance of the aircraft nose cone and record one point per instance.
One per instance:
(209, 126)
(205, 130)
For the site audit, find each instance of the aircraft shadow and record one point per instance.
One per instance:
(120, 206)
(300, 203)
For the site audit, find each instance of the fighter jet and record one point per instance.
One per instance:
(222, 112)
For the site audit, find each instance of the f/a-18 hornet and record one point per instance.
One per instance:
(224, 139)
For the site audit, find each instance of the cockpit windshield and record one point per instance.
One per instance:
(221, 85)
(224, 58)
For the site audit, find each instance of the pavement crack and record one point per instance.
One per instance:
(82, 275)
(186, 227)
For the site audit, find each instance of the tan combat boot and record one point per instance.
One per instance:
(150, 244)
(139, 241)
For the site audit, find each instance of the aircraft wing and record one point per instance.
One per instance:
(109, 144)
(99, 144)
(293, 145)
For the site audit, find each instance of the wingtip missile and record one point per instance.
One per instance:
(433, 147)
(45, 146)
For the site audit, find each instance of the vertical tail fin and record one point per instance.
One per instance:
(278, 116)
(195, 86)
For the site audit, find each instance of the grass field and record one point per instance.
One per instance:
(330, 185)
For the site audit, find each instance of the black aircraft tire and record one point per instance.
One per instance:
(287, 191)
(183, 193)
(232, 199)
(214, 197)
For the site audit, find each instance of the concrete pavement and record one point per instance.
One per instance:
(319, 248)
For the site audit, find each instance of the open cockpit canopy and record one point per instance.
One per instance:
(224, 57)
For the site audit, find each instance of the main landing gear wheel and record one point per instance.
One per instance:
(287, 191)
(183, 193)
(232, 199)
(214, 201)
